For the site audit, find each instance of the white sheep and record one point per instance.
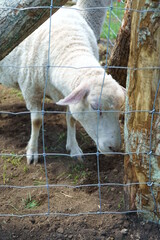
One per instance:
(94, 13)
(73, 44)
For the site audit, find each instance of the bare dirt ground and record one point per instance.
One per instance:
(14, 135)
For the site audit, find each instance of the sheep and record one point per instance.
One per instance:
(94, 17)
(75, 79)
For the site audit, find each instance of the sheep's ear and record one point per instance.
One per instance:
(75, 96)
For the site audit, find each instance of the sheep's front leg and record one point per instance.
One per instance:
(32, 148)
(72, 144)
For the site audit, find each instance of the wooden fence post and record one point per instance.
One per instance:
(142, 129)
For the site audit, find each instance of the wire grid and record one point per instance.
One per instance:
(97, 153)
(117, 19)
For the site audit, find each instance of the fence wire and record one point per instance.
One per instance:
(45, 154)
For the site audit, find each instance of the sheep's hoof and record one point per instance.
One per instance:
(75, 152)
(32, 158)
(79, 158)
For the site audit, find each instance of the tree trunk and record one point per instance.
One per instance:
(142, 129)
(16, 25)
(120, 52)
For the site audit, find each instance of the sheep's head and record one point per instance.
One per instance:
(84, 102)
(106, 95)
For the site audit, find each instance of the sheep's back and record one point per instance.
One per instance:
(70, 36)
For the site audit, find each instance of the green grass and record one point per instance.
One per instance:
(38, 183)
(29, 202)
(77, 172)
(25, 169)
(17, 92)
(14, 161)
(58, 143)
(121, 203)
(114, 23)
(4, 173)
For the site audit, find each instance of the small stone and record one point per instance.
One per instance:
(14, 236)
(142, 223)
(126, 224)
(103, 233)
(70, 236)
(124, 231)
(137, 236)
(147, 226)
(109, 205)
(4, 115)
(119, 236)
(60, 230)
(115, 170)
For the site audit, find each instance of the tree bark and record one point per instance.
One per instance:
(17, 24)
(142, 129)
(120, 52)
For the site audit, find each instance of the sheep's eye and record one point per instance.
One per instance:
(95, 109)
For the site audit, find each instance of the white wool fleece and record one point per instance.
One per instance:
(74, 78)
(94, 13)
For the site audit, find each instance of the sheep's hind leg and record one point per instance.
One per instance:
(72, 144)
(32, 147)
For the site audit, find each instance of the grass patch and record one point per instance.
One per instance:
(16, 92)
(4, 173)
(14, 161)
(25, 169)
(29, 202)
(121, 203)
(39, 183)
(114, 23)
(58, 144)
(77, 173)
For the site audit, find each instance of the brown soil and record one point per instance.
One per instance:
(14, 134)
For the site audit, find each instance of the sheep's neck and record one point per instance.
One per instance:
(87, 76)
(94, 18)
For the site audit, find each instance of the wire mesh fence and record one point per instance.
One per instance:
(50, 190)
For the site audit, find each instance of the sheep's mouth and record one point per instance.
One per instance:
(108, 152)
